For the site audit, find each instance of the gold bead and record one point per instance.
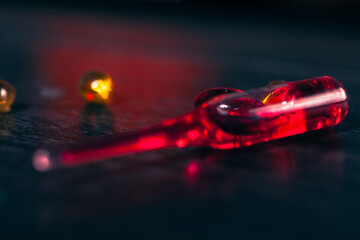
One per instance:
(96, 87)
(7, 96)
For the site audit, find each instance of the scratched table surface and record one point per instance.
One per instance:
(300, 187)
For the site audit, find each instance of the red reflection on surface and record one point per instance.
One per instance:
(246, 126)
(192, 170)
(283, 161)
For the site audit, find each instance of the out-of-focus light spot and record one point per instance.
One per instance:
(94, 84)
(206, 132)
(219, 135)
(193, 134)
(3, 93)
(90, 97)
(192, 170)
(41, 160)
(188, 118)
(223, 106)
(319, 125)
(180, 143)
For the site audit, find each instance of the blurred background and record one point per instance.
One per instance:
(160, 55)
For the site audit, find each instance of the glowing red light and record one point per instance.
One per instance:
(192, 170)
(90, 97)
(180, 143)
(151, 142)
(193, 134)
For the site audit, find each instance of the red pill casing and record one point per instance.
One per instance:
(277, 111)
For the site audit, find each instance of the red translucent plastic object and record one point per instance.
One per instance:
(227, 121)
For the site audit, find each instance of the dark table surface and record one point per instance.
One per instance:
(300, 187)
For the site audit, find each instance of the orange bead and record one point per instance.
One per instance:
(7, 96)
(96, 87)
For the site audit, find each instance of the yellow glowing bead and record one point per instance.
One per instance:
(96, 87)
(7, 96)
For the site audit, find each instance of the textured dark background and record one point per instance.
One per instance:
(160, 56)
